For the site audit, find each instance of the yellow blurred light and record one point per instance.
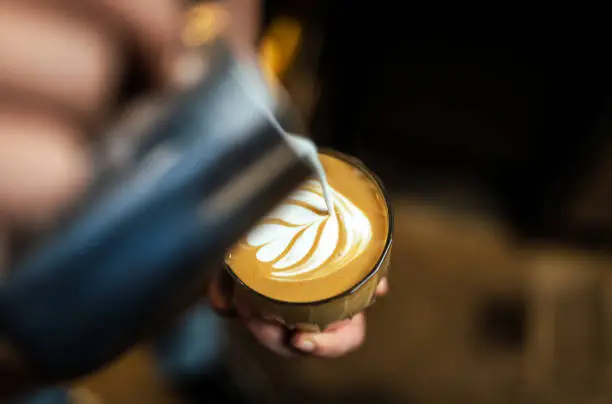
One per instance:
(278, 48)
(280, 45)
(204, 23)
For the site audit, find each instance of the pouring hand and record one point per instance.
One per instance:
(61, 71)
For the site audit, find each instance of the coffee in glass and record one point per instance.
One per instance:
(306, 268)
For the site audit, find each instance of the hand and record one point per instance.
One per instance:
(61, 68)
(337, 340)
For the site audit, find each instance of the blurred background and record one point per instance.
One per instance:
(490, 125)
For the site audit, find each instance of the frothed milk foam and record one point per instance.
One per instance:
(301, 253)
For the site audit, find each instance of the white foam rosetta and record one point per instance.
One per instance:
(299, 238)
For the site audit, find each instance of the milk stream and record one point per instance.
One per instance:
(296, 240)
(303, 147)
(307, 150)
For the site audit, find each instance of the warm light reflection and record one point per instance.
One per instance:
(204, 23)
(279, 44)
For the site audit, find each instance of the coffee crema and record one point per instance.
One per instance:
(300, 253)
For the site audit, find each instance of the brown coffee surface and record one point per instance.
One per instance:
(299, 253)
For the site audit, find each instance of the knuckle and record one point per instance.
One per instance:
(75, 65)
(154, 22)
(42, 167)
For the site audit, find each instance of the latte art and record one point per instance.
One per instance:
(302, 253)
(301, 241)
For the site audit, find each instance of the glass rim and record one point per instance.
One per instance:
(379, 263)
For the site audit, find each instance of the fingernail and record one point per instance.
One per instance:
(306, 345)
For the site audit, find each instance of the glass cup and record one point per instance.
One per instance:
(315, 316)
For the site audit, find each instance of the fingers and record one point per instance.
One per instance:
(155, 26)
(42, 166)
(270, 335)
(73, 53)
(244, 25)
(60, 69)
(338, 339)
(335, 341)
(53, 54)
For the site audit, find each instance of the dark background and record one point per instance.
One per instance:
(508, 99)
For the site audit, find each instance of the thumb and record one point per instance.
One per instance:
(337, 340)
